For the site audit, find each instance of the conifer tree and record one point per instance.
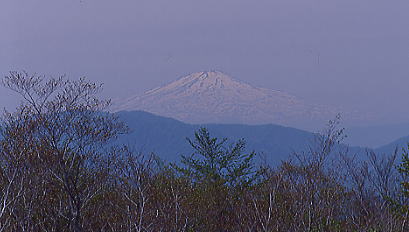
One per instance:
(214, 161)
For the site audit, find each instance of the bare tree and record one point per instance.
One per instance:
(68, 131)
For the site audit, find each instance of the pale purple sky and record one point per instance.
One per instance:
(349, 53)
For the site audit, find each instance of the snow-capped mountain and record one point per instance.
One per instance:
(214, 97)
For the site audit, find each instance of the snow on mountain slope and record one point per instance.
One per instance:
(214, 97)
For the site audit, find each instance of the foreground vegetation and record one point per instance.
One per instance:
(60, 172)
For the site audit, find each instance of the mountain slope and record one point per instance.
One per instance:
(214, 97)
(376, 136)
(401, 143)
(167, 137)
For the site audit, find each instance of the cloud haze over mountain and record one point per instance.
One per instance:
(343, 53)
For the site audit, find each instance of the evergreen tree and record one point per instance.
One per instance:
(216, 162)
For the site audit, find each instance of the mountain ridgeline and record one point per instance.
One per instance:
(167, 137)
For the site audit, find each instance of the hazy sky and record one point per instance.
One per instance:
(350, 53)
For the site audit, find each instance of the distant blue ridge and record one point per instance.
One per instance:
(166, 137)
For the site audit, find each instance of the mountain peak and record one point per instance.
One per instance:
(201, 82)
(209, 75)
(207, 79)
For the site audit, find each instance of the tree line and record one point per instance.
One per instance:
(61, 171)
